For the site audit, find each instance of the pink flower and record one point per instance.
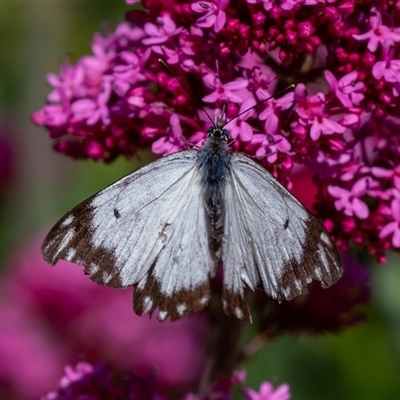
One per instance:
(52, 116)
(392, 174)
(161, 31)
(223, 91)
(312, 113)
(350, 200)
(346, 89)
(222, 390)
(308, 106)
(321, 125)
(93, 111)
(267, 4)
(379, 34)
(182, 54)
(68, 84)
(239, 127)
(85, 381)
(100, 381)
(267, 392)
(270, 146)
(215, 15)
(389, 70)
(272, 110)
(172, 143)
(393, 228)
(128, 74)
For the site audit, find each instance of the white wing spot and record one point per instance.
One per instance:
(325, 238)
(286, 292)
(181, 308)
(94, 268)
(106, 277)
(203, 300)
(70, 254)
(50, 243)
(297, 284)
(147, 304)
(67, 221)
(65, 241)
(318, 273)
(245, 278)
(142, 283)
(238, 313)
(162, 316)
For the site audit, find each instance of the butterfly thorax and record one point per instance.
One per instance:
(214, 162)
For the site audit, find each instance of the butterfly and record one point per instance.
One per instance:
(165, 228)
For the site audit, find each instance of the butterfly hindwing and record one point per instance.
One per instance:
(270, 238)
(147, 230)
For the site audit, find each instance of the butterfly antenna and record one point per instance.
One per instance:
(262, 101)
(162, 62)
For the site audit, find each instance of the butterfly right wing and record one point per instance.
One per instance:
(147, 230)
(270, 238)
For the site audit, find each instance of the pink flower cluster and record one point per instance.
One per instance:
(86, 381)
(341, 121)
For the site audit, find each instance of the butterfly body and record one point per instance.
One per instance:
(214, 163)
(164, 228)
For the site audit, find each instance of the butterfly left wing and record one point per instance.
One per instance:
(147, 230)
(270, 238)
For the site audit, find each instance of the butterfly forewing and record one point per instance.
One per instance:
(147, 230)
(270, 238)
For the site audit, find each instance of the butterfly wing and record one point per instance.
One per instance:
(148, 230)
(270, 238)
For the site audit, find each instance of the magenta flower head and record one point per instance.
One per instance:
(85, 381)
(267, 392)
(341, 121)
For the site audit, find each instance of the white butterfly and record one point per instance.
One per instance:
(165, 227)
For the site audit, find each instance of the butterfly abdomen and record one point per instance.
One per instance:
(214, 162)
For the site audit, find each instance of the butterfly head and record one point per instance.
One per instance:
(218, 132)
